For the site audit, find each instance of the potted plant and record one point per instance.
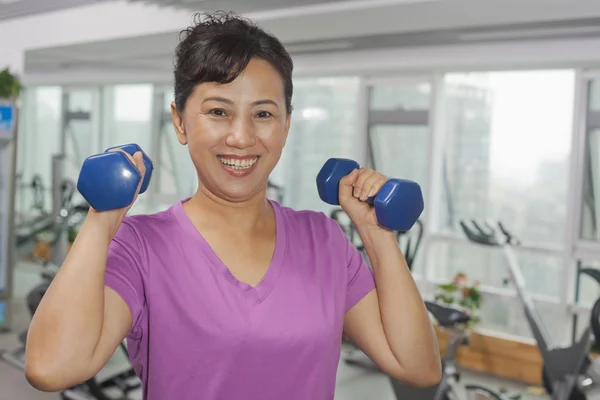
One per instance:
(10, 85)
(462, 292)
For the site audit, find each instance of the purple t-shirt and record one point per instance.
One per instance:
(200, 334)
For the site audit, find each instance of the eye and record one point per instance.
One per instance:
(264, 114)
(218, 112)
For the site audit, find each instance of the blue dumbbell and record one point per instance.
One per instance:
(398, 204)
(108, 181)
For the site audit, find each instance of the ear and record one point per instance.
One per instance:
(178, 124)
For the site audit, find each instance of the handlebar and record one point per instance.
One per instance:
(489, 236)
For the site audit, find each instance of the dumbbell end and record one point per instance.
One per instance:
(131, 149)
(399, 204)
(108, 181)
(328, 178)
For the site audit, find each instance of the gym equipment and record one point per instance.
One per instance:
(398, 204)
(109, 180)
(568, 372)
(117, 384)
(454, 320)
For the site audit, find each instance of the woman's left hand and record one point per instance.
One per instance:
(354, 189)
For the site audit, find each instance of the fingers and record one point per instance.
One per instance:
(138, 161)
(368, 183)
(347, 184)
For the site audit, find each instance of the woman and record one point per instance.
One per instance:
(228, 295)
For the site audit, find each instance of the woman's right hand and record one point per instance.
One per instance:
(111, 219)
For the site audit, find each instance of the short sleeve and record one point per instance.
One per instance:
(360, 277)
(124, 272)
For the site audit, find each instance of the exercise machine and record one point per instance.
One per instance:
(455, 321)
(63, 216)
(568, 372)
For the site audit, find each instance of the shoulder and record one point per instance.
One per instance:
(316, 223)
(141, 228)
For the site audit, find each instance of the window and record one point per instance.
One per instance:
(398, 123)
(80, 130)
(177, 171)
(591, 197)
(127, 115)
(39, 138)
(506, 152)
(324, 125)
(541, 271)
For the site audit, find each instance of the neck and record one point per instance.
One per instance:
(245, 216)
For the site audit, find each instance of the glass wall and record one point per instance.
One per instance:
(127, 111)
(40, 136)
(325, 124)
(398, 128)
(506, 155)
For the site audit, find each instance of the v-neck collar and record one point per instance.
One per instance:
(265, 286)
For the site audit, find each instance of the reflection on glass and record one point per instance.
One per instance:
(407, 96)
(508, 140)
(401, 152)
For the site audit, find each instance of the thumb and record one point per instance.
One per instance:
(139, 162)
(345, 187)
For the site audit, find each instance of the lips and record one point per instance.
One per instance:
(238, 163)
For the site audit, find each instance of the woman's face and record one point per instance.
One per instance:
(236, 132)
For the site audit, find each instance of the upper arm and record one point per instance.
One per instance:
(124, 298)
(116, 326)
(362, 320)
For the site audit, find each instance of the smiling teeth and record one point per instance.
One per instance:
(237, 163)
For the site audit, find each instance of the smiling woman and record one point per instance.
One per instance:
(229, 295)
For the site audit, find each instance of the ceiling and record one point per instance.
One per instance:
(240, 6)
(342, 26)
(10, 9)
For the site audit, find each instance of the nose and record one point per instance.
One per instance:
(242, 134)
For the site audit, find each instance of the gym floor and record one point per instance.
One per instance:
(352, 383)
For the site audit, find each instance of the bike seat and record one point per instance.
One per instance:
(447, 316)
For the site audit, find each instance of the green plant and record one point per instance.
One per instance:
(10, 86)
(72, 234)
(460, 291)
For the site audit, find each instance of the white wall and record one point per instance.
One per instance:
(104, 21)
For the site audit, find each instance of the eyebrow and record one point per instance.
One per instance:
(228, 101)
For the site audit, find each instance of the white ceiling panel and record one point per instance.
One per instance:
(238, 6)
(10, 9)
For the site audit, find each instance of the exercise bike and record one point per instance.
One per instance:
(568, 372)
(118, 385)
(455, 321)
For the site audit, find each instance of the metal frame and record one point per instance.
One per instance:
(8, 147)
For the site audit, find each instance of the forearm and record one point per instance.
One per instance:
(405, 319)
(67, 325)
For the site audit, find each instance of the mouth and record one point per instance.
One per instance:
(238, 166)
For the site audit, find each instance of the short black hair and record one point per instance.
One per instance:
(218, 46)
